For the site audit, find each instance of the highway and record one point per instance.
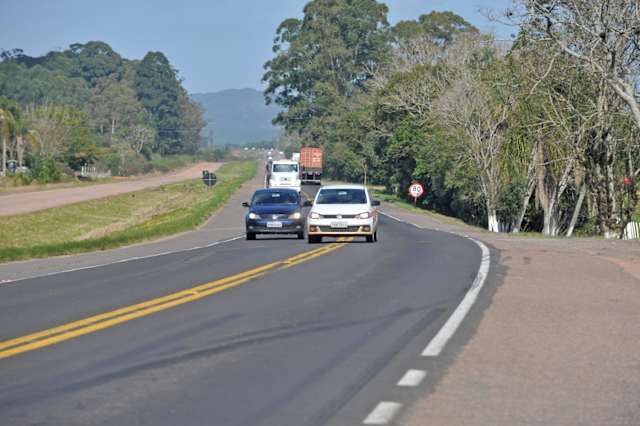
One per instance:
(268, 332)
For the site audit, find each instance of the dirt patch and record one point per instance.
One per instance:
(17, 203)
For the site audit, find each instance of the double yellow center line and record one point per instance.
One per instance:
(94, 323)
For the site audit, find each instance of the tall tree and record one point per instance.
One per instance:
(324, 58)
(158, 89)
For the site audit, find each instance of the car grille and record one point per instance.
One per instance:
(347, 229)
(274, 216)
(342, 216)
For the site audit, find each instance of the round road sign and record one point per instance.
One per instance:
(416, 190)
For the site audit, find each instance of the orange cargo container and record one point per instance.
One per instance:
(311, 165)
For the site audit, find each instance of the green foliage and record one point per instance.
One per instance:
(158, 90)
(324, 57)
(120, 220)
(44, 169)
(88, 105)
(440, 28)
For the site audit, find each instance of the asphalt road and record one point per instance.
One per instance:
(317, 340)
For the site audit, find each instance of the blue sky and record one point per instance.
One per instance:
(215, 44)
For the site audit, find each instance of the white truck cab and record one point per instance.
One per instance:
(285, 174)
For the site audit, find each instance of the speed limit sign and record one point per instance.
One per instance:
(416, 190)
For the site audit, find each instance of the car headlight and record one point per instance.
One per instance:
(315, 215)
(254, 216)
(295, 216)
(365, 215)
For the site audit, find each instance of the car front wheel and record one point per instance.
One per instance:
(251, 236)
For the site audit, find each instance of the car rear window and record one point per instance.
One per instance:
(342, 196)
(275, 197)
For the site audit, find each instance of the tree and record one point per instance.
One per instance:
(10, 126)
(476, 108)
(603, 39)
(438, 28)
(95, 60)
(158, 89)
(114, 106)
(324, 58)
(62, 134)
(603, 36)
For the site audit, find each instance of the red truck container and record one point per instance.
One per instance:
(311, 165)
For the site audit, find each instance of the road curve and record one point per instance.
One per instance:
(318, 342)
(25, 202)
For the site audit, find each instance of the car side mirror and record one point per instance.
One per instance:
(245, 204)
(307, 203)
(375, 202)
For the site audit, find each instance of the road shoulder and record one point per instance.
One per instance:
(554, 343)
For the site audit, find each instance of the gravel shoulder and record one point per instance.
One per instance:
(557, 343)
(24, 202)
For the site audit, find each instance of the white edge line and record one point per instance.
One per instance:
(128, 259)
(383, 413)
(412, 378)
(437, 344)
(439, 341)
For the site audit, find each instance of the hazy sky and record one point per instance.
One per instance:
(215, 44)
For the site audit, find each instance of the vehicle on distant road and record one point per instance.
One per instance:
(284, 174)
(343, 210)
(310, 165)
(274, 211)
(295, 156)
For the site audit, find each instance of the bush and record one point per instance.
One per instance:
(21, 179)
(45, 169)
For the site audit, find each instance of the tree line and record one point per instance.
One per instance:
(87, 105)
(535, 134)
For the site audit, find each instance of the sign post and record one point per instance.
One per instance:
(416, 190)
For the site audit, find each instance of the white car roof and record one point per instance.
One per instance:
(343, 187)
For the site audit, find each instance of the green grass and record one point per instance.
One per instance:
(120, 220)
(404, 204)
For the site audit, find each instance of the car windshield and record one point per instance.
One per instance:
(342, 196)
(285, 168)
(275, 197)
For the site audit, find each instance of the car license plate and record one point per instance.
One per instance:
(274, 224)
(340, 225)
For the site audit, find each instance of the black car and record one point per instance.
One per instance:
(275, 211)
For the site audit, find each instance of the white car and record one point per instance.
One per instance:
(343, 210)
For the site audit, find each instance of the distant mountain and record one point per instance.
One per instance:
(237, 116)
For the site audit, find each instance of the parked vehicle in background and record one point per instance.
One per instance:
(343, 210)
(311, 165)
(274, 211)
(284, 174)
(295, 156)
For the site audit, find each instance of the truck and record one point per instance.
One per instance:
(311, 165)
(284, 174)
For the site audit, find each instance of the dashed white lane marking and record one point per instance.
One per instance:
(128, 259)
(383, 413)
(439, 341)
(412, 378)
